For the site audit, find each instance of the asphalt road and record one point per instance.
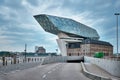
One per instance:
(56, 71)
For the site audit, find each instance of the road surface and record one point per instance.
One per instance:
(56, 71)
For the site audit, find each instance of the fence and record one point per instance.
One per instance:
(54, 59)
(4, 61)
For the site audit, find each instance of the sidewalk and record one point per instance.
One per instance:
(21, 66)
(99, 71)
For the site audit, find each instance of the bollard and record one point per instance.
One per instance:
(3, 59)
(14, 59)
(6, 62)
(30, 59)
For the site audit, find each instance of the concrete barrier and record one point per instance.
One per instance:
(74, 57)
(53, 59)
(111, 66)
(92, 75)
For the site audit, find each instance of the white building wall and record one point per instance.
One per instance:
(62, 46)
(63, 40)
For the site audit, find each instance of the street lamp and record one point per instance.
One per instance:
(117, 14)
(25, 51)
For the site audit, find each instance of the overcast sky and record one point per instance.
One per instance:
(18, 26)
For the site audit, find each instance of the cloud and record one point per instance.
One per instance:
(47, 8)
(117, 4)
(18, 26)
(34, 3)
(4, 39)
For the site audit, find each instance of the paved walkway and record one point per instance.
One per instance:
(56, 71)
(21, 66)
(99, 71)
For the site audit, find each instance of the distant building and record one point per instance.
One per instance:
(74, 38)
(40, 49)
(31, 54)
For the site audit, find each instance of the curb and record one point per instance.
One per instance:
(92, 75)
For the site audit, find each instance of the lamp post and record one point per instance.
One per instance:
(117, 14)
(25, 51)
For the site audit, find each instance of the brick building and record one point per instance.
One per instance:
(89, 47)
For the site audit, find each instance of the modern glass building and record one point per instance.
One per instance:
(70, 32)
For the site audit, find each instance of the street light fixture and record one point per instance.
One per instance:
(117, 14)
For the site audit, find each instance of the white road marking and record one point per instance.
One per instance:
(44, 76)
(15, 71)
(49, 71)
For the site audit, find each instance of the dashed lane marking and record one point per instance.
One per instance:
(49, 71)
(44, 76)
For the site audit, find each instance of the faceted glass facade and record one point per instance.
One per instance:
(54, 24)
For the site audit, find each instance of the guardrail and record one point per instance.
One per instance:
(92, 75)
(4, 61)
(53, 59)
(110, 66)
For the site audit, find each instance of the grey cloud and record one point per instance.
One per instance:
(14, 4)
(97, 8)
(34, 3)
(16, 16)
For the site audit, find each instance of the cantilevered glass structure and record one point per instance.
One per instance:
(68, 30)
(54, 24)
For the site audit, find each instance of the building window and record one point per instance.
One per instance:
(69, 54)
(74, 45)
